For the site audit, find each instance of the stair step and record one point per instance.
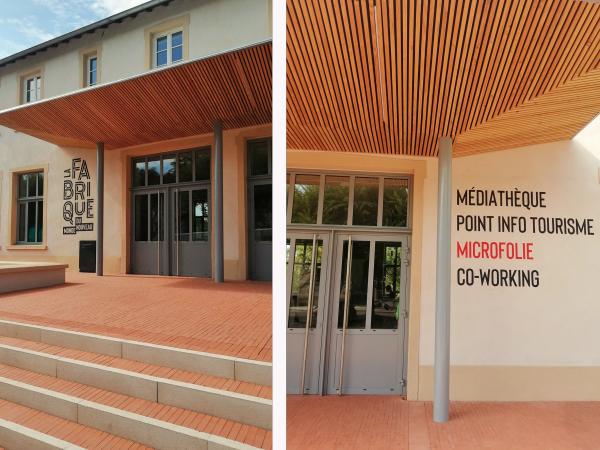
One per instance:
(26, 428)
(257, 372)
(184, 376)
(153, 424)
(229, 405)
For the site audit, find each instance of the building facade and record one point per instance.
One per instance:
(167, 175)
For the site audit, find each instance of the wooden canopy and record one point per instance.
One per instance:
(393, 76)
(178, 101)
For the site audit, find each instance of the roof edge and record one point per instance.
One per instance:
(103, 23)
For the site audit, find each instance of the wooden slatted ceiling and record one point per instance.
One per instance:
(392, 76)
(184, 100)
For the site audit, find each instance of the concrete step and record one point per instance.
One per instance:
(25, 428)
(144, 421)
(240, 369)
(201, 379)
(243, 408)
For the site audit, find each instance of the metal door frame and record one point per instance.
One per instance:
(330, 278)
(174, 224)
(149, 190)
(251, 182)
(323, 293)
(335, 276)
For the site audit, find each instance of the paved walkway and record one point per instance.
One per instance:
(233, 318)
(370, 422)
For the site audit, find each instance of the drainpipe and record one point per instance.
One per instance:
(218, 202)
(100, 208)
(441, 384)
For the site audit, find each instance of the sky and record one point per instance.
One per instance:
(25, 23)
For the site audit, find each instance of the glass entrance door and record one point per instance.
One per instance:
(190, 239)
(150, 248)
(307, 254)
(367, 329)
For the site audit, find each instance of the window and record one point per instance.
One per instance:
(30, 208)
(32, 88)
(306, 199)
(91, 69)
(168, 48)
(181, 167)
(349, 200)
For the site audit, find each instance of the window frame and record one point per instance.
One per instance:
(89, 70)
(167, 155)
(36, 76)
(85, 57)
(169, 35)
(17, 200)
(291, 175)
(167, 27)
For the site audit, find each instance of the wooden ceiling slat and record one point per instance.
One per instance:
(393, 76)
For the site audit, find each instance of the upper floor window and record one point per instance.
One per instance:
(91, 69)
(168, 47)
(31, 88)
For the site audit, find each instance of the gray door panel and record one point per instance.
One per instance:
(259, 230)
(190, 239)
(150, 250)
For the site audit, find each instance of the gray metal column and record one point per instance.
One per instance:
(441, 387)
(218, 203)
(100, 208)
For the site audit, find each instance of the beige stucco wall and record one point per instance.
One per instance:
(18, 150)
(214, 26)
(507, 343)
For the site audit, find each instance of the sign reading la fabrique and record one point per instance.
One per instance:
(78, 206)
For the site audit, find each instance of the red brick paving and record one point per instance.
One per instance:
(385, 422)
(233, 318)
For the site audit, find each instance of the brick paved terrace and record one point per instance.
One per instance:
(232, 319)
(384, 422)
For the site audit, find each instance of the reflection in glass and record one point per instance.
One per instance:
(395, 202)
(154, 170)
(40, 184)
(22, 209)
(161, 51)
(185, 167)
(32, 184)
(366, 195)
(40, 221)
(263, 212)
(202, 162)
(31, 211)
(177, 46)
(258, 157)
(141, 217)
(303, 256)
(335, 200)
(23, 185)
(386, 285)
(139, 172)
(169, 169)
(183, 206)
(359, 276)
(200, 215)
(306, 199)
(154, 217)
